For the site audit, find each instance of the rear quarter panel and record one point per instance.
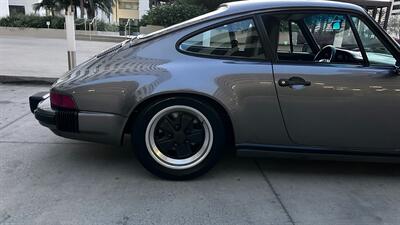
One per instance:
(118, 82)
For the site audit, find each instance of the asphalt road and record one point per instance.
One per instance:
(48, 180)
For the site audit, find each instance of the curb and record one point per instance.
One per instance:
(26, 79)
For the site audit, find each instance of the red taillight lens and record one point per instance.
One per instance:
(61, 101)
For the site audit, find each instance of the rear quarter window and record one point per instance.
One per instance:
(234, 40)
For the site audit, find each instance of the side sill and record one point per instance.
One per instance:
(312, 153)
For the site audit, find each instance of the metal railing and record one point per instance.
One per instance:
(128, 27)
(92, 26)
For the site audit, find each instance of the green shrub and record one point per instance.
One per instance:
(101, 26)
(56, 22)
(170, 14)
(32, 21)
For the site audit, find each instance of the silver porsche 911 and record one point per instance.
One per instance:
(305, 78)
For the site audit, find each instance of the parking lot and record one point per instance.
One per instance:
(45, 179)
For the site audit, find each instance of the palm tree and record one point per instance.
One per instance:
(90, 5)
(49, 5)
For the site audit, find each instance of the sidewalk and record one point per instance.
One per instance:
(40, 59)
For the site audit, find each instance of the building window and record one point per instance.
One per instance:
(16, 10)
(128, 5)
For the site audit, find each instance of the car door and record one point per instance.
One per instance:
(349, 102)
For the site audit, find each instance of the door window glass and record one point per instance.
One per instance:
(238, 40)
(291, 38)
(331, 29)
(377, 53)
(317, 38)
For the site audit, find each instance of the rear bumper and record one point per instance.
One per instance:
(81, 125)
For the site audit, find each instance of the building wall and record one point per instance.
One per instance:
(396, 7)
(4, 8)
(26, 3)
(27, 6)
(129, 9)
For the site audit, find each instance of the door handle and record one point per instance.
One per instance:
(293, 81)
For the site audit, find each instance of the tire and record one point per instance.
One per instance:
(178, 138)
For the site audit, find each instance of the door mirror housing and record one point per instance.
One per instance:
(336, 25)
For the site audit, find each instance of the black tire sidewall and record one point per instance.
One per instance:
(140, 148)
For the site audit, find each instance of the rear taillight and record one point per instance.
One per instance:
(60, 101)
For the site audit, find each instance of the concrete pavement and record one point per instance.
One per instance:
(49, 180)
(23, 56)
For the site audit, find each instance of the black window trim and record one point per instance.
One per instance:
(271, 56)
(267, 52)
(358, 40)
(305, 33)
(308, 36)
(290, 36)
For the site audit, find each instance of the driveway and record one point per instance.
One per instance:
(48, 180)
(42, 57)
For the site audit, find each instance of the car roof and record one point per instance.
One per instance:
(254, 5)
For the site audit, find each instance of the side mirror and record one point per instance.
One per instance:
(336, 25)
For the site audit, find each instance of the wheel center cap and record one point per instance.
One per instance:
(180, 137)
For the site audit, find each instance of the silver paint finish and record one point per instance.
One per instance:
(93, 126)
(121, 80)
(179, 164)
(96, 127)
(101, 127)
(343, 108)
(248, 6)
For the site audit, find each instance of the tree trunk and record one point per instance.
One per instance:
(91, 9)
(90, 13)
(82, 9)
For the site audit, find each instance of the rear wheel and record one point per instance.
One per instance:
(178, 138)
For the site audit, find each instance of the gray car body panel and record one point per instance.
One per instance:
(119, 81)
(345, 107)
(93, 126)
(116, 83)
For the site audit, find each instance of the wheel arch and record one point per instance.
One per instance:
(217, 105)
